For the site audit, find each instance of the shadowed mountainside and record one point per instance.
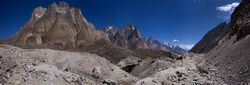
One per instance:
(211, 39)
(230, 53)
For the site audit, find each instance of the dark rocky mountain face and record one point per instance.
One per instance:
(154, 44)
(57, 25)
(111, 31)
(211, 39)
(130, 37)
(230, 50)
(127, 37)
(240, 21)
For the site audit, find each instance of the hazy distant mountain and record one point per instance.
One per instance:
(175, 48)
(57, 25)
(156, 45)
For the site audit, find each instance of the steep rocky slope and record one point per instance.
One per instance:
(211, 39)
(57, 25)
(239, 23)
(231, 56)
(187, 71)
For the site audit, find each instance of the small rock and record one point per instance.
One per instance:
(28, 66)
(24, 79)
(14, 65)
(67, 79)
(96, 72)
(42, 60)
(34, 64)
(1, 71)
(179, 58)
(42, 74)
(209, 83)
(108, 82)
(144, 82)
(28, 70)
(202, 70)
(79, 81)
(7, 76)
(179, 74)
(154, 81)
(16, 82)
(8, 70)
(195, 79)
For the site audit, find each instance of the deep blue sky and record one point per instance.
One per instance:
(164, 20)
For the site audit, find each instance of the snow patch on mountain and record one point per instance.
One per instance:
(38, 15)
(186, 47)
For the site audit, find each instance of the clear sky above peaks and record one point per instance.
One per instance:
(175, 21)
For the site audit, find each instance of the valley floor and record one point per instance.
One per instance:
(51, 67)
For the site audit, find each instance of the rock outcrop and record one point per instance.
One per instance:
(57, 25)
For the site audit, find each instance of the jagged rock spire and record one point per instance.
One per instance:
(57, 25)
(63, 4)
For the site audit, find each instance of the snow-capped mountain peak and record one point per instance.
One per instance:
(182, 46)
(186, 47)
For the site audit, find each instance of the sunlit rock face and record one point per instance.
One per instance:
(59, 24)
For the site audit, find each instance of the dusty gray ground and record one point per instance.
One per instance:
(51, 67)
(46, 66)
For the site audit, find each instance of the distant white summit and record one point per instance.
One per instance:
(183, 46)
